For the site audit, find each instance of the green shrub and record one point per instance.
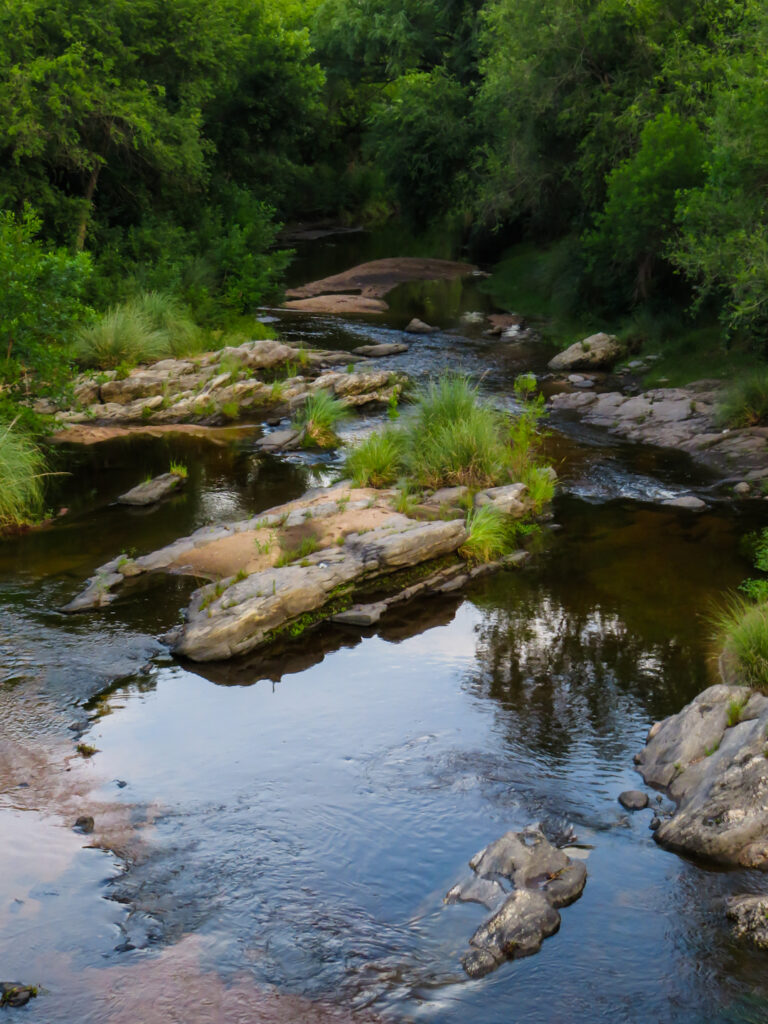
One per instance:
(741, 630)
(22, 467)
(489, 535)
(541, 486)
(319, 416)
(378, 460)
(746, 402)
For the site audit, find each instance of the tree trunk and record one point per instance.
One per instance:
(90, 188)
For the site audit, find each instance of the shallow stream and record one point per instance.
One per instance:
(303, 813)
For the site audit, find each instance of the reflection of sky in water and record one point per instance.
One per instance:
(313, 826)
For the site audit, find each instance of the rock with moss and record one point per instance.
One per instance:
(711, 759)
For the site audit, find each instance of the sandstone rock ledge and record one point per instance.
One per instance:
(301, 563)
(711, 758)
(219, 386)
(679, 418)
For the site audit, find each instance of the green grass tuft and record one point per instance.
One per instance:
(318, 417)
(490, 535)
(22, 468)
(741, 630)
(179, 469)
(745, 403)
(378, 460)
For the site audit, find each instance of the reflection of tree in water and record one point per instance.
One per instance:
(568, 669)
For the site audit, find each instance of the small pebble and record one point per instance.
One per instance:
(84, 824)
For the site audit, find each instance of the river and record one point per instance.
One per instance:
(286, 826)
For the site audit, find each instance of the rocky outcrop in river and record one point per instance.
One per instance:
(683, 419)
(302, 562)
(711, 758)
(219, 386)
(543, 879)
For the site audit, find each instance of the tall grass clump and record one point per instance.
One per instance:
(745, 403)
(378, 460)
(318, 417)
(741, 630)
(122, 335)
(22, 468)
(490, 535)
(455, 439)
(167, 317)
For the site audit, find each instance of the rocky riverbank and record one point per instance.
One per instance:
(219, 387)
(683, 419)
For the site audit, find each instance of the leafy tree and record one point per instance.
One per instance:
(41, 304)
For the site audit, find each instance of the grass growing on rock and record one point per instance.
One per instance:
(741, 631)
(22, 468)
(318, 417)
(490, 535)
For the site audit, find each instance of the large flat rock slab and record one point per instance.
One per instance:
(378, 277)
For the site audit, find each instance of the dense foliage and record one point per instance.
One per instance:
(154, 146)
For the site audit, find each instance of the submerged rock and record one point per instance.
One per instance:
(543, 878)
(598, 352)
(711, 757)
(689, 501)
(152, 491)
(750, 917)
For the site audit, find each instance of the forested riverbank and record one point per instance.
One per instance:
(154, 149)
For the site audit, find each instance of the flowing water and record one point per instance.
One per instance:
(301, 814)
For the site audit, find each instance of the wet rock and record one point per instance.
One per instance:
(689, 501)
(417, 326)
(599, 351)
(711, 759)
(543, 879)
(13, 994)
(742, 489)
(153, 490)
(378, 351)
(633, 800)
(281, 440)
(477, 890)
(84, 824)
(750, 917)
(654, 824)
(97, 593)
(515, 931)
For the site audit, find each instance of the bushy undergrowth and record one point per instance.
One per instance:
(22, 467)
(154, 325)
(741, 630)
(318, 417)
(746, 401)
